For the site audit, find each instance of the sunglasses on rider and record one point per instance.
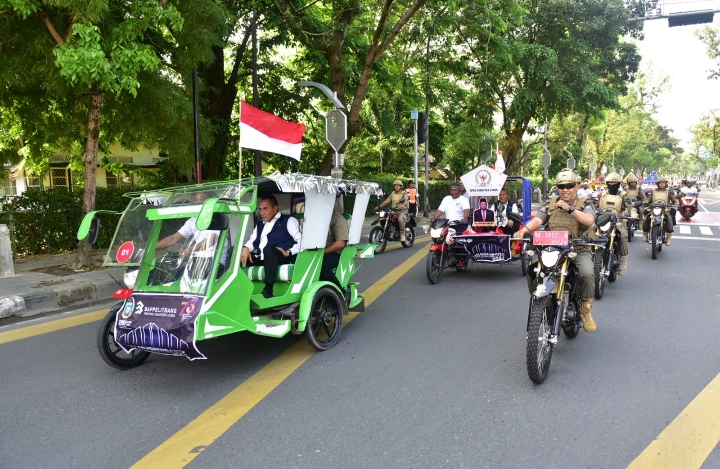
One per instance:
(565, 186)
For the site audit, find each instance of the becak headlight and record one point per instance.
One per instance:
(657, 211)
(549, 258)
(130, 277)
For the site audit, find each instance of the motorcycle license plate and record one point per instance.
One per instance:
(551, 238)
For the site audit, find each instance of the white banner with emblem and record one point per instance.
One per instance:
(483, 181)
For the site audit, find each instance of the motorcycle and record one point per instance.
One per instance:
(442, 232)
(453, 249)
(388, 229)
(634, 224)
(688, 205)
(555, 304)
(607, 263)
(658, 235)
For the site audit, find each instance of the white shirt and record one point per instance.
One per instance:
(188, 230)
(454, 208)
(293, 228)
(688, 191)
(584, 193)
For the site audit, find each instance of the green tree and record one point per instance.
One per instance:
(565, 57)
(87, 50)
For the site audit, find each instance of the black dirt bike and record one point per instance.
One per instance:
(388, 229)
(555, 303)
(606, 259)
(658, 235)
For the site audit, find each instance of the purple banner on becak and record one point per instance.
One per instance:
(159, 323)
(486, 247)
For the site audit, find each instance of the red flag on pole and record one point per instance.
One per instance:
(260, 130)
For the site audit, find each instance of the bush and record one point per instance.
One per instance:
(45, 221)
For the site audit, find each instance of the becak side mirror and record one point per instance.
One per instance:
(94, 231)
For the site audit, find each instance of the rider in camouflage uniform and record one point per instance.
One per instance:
(667, 196)
(614, 202)
(398, 199)
(566, 212)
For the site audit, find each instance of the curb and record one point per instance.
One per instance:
(33, 303)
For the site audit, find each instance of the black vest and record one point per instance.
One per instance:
(278, 236)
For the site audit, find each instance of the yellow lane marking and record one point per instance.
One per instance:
(689, 439)
(51, 326)
(185, 445)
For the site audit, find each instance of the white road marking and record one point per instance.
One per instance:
(685, 229)
(706, 230)
(697, 238)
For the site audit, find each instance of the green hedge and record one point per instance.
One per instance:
(45, 221)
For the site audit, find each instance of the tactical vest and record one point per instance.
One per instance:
(611, 202)
(559, 220)
(660, 196)
(633, 194)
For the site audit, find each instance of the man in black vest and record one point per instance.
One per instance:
(502, 208)
(275, 241)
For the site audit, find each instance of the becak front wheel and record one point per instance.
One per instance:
(110, 351)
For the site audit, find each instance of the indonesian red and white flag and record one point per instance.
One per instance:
(500, 161)
(260, 130)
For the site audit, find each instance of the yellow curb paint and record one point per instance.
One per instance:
(690, 438)
(185, 445)
(51, 326)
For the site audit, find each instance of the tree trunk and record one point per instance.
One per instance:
(83, 256)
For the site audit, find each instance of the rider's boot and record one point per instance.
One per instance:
(645, 236)
(587, 319)
(623, 265)
(402, 236)
(668, 239)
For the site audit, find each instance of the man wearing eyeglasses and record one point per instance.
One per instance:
(568, 212)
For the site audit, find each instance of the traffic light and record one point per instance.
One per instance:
(422, 125)
(689, 18)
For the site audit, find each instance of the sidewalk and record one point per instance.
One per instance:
(46, 283)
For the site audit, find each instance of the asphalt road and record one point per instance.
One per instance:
(428, 376)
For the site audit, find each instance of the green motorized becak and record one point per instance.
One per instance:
(180, 294)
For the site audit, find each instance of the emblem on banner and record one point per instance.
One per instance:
(483, 178)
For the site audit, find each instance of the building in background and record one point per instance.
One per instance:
(59, 175)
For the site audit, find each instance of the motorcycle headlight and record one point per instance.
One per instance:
(435, 232)
(657, 211)
(383, 213)
(549, 258)
(451, 233)
(604, 228)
